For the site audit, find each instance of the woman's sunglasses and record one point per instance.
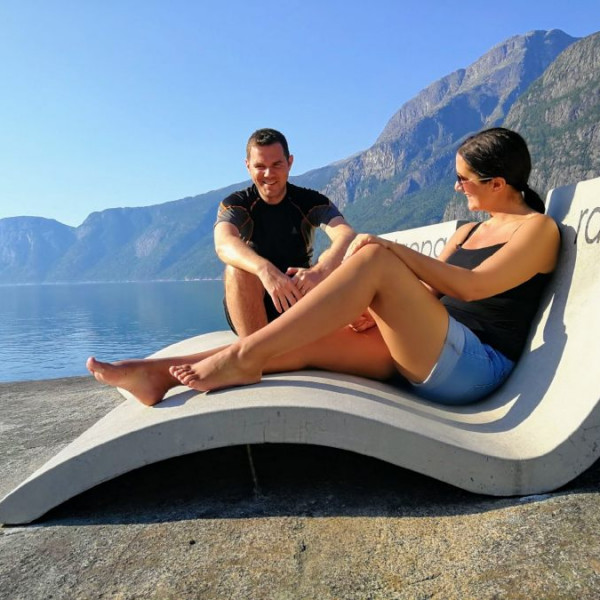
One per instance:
(462, 180)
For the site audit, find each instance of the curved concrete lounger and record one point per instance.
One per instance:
(536, 433)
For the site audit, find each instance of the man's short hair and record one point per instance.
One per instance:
(267, 137)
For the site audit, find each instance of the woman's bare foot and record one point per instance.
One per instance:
(222, 370)
(146, 380)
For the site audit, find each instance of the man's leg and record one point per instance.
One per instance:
(244, 297)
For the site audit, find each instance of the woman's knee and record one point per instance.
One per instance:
(376, 256)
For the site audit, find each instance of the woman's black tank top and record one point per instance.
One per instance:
(503, 320)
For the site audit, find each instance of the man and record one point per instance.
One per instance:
(264, 235)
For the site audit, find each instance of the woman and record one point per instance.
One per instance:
(452, 327)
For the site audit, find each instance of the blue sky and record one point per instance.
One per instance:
(110, 103)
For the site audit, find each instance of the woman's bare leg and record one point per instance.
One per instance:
(412, 322)
(147, 379)
(343, 351)
(150, 379)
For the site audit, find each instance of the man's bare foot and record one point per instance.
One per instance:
(219, 371)
(144, 379)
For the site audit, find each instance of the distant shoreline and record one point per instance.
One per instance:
(23, 284)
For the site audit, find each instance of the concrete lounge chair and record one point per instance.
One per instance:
(536, 433)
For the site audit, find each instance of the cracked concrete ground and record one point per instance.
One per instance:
(310, 522)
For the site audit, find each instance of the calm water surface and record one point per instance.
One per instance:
(48, 331)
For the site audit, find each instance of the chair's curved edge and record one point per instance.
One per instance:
(198, 343)
(329, 419)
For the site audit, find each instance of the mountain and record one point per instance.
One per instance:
(166, 241)
(559, 115)
(415, 151)
(543, 84)
(30, 246)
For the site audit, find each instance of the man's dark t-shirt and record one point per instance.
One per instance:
(282, 233)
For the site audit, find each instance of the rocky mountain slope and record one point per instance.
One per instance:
(559, 115)
(416, 149)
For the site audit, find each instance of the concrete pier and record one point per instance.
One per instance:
(278, 522)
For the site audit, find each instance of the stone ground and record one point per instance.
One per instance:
(311, 523)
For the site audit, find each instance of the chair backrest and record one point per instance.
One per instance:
(428, 240)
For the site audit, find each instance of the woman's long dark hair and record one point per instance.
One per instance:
(500, 152)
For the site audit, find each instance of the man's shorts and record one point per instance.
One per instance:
(272, 313)
(466, 371)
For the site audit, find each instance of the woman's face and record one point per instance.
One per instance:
(474, 187)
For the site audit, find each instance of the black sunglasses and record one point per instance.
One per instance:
(462, 180)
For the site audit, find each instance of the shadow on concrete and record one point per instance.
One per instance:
(278, 480)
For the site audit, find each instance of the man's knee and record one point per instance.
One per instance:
(245, 302)
(239, 279)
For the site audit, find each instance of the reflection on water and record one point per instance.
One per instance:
(47, 331)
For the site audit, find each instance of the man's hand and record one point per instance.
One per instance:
(232, 250)
(282, 289)
(340, 234)
(305, 279)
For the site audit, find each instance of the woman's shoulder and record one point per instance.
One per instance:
(467, 227)
(540, 235)
(464, 231)
(540, 222)
(457, 238)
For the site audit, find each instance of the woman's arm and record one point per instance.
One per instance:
(532, 249)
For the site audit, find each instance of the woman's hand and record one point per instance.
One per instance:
(363, 239)
(364, 322)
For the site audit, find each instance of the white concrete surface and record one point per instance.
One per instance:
(536, 433)
(429, 240)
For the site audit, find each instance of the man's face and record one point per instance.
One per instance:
(269, 170)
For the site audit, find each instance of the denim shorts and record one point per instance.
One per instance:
(466, 371)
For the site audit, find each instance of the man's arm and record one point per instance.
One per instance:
(341, 235)
(232, 250)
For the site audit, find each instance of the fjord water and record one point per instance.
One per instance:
(48, 331)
